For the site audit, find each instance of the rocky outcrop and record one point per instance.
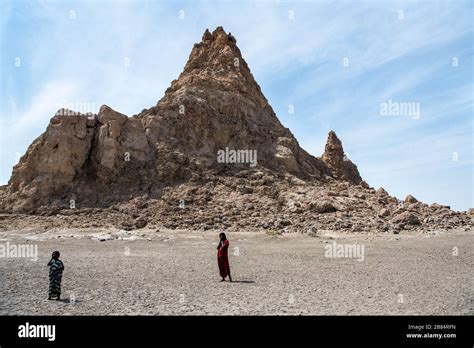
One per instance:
(77, 152)
(338, 162)
(217, 104)
(119, 141)
(51, 162)
(210, 154)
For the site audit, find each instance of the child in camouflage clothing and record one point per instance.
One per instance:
(56, 269)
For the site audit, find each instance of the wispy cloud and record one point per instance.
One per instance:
(43, 105)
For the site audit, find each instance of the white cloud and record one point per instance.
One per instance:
(42, 106)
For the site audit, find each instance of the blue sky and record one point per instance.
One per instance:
(125, 54)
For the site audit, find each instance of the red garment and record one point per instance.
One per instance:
(223, 259)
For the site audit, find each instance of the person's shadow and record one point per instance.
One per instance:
(243, 281)
(67, 300)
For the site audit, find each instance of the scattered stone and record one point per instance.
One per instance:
(280, 223)
(406, 218)
(323, 207)
(439, 206)
(140, 222)
(410, 199)
(312, 231)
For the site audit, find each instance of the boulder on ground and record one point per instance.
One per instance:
(323, 207)
(406, 218)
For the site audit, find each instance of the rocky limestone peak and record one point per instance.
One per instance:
(216, 62)
(339, 163)
(215, 105)
(218, 42)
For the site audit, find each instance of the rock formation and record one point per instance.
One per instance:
(214, 104)
(338, 162)
(187, 163)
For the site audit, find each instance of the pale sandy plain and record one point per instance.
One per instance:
(150, 272)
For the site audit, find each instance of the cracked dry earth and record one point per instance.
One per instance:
(114, 272)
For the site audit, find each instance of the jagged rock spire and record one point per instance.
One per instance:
(216, 62)
(333, 151)
(338, 162)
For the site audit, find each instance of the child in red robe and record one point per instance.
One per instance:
(222, 257)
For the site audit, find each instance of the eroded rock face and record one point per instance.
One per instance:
(118, 141)
(75, 153)
(161, 166)
(51, 162)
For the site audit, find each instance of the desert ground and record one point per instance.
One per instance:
(165, 272)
